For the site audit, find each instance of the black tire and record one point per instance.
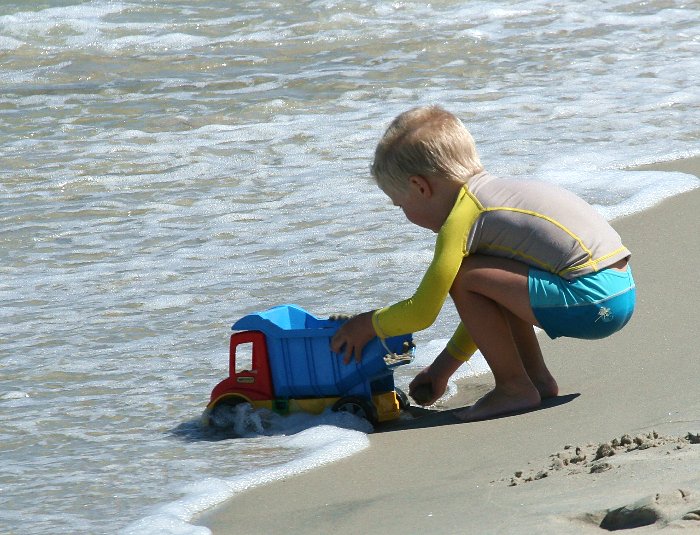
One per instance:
(219, 416)
(357, 406)
(404, 402)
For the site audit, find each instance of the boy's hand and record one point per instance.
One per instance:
(426, 389)
(430, 384)
(353, 335)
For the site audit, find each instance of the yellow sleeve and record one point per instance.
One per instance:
(420, 311)
(461, 346)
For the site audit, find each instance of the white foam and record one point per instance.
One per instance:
(8, 43)
(169, 41)
(647, 189)
(500, 13)
(14, 395)
(81, 18)
(614, 192)
(323, 444)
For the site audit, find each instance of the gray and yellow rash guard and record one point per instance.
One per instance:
(536, 223)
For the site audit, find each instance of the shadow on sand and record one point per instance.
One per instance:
(419, 417)
(434, 418)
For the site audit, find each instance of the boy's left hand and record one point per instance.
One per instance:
(353, 335)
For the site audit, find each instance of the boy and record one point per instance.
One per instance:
(513, 254)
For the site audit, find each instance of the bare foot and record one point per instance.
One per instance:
(501, 400)
(546, 386)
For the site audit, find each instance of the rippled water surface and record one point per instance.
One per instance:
(167, 167)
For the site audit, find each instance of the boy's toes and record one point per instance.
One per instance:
(548, 388)
(497, 403)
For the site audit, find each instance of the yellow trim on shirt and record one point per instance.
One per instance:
(592, 262)
(546, 218)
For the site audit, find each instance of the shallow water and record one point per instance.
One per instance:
(168, 168)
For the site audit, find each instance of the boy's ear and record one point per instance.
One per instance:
(421, 185)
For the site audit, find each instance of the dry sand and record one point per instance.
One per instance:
(618, 449)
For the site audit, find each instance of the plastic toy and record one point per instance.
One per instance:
(292, 368)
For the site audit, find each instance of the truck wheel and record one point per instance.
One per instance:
(357, 406)
(401, 396)
(221, 415)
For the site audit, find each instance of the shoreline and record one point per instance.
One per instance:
(537, 471)
(690, 166)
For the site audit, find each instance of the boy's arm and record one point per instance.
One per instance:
(420, 311)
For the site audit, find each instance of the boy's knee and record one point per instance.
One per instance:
(478, 273)
(464, 278)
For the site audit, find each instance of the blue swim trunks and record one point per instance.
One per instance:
(592, 306)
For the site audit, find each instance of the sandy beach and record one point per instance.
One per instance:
(618, 449)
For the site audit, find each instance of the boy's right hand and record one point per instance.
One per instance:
(352, 336)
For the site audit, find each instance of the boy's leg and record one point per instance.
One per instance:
(491, 295)
(531, 355)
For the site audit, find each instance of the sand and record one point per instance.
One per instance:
(618, 449)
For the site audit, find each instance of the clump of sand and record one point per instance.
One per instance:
(596, 458)
(673, 508)
(397, 359)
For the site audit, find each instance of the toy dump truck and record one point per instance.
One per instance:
(289, 366)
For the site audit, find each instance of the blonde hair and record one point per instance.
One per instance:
(427, 141)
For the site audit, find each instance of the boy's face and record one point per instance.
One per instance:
(415, 206)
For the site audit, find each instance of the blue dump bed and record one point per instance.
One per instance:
(303, 365)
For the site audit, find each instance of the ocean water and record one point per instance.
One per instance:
(168, 167)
